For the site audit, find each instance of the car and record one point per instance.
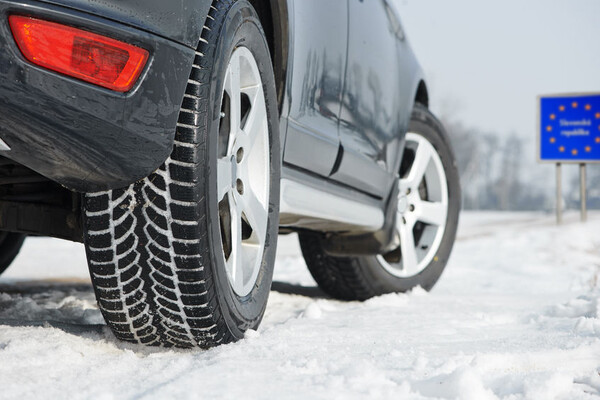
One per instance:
(177, 140)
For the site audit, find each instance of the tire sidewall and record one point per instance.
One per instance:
(242, 28)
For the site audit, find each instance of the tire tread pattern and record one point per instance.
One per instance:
(147, 245)
(339, 277)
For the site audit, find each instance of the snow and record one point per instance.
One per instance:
(515, 316)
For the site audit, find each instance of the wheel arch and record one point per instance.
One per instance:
(422, 94)
(273, 15)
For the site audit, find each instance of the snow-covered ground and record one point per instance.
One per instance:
(515, 316)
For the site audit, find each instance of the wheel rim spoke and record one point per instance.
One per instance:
(425, 152)
(256, 214)
(235, 261)
(255, 124)
(408, 248)
(233, 90)
(250, 253)
(224, 177)
(433, 213)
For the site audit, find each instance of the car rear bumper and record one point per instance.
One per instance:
(85, 137)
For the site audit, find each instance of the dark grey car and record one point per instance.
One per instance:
(177, 140)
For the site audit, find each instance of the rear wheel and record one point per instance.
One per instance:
(10, 245)
(185, 257)
(427, 219)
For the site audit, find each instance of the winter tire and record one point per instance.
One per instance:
(427, 219)
(10, 245)
(185, 257)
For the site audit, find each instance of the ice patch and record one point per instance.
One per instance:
(47, 303)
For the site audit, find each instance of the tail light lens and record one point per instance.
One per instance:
(81, 54)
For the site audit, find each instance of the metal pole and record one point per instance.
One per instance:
(582, 185)
(558, 194)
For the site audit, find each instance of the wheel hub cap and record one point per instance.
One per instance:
(402, 204)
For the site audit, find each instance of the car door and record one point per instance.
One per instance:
(319, 44)
(377, 98)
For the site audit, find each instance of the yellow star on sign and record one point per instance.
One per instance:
(552, 140)
(561, 108)
(553, 116)
(597, 115)
(549, 128)
(588, 149)
(574, 152)
(575, 104)
(561, 149)
(598, 140)
(588, 107)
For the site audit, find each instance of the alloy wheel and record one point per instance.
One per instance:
(422, 209)
(243, 171)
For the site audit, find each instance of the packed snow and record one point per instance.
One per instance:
(516, 315)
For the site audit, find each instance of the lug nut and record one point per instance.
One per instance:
(240, 155)
(240, 186)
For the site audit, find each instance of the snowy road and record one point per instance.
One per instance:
(515, 316)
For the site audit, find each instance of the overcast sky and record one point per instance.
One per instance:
(487, 61)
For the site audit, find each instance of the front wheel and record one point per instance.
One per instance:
(427, 219)
(185, 257)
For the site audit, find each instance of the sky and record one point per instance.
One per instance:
(487, 61)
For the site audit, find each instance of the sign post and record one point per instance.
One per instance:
(558, 194)
(583, 194)
(569, 133)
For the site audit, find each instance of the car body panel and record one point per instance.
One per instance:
(317, 67)
(82, 136)
(177, 20)
(378, 97)
(370, 120)
(359, 145)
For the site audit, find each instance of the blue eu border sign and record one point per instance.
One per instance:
(569, 132)
(569, 128)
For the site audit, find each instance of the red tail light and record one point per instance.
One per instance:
(81, 54)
